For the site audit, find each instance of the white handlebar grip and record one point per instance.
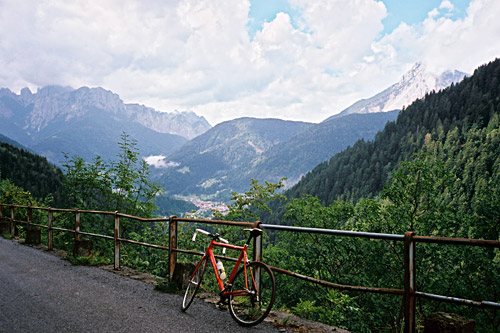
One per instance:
(194, 235)
(224, 250)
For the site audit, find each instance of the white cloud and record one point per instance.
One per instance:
(433, 13)
(446, 4)
(160, 162)
(192, 54)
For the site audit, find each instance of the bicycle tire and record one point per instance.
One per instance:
(193, 285)
(250, 308)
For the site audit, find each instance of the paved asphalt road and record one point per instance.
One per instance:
(39, 292)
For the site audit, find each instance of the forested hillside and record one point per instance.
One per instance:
(302, 152)
(30, 171)
(33, 173)
(228, 156)
(435, 171)
(446, 116)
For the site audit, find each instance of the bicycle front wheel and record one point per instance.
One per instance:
(250, 306)
(193, 285)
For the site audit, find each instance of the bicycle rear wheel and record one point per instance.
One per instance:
(250, 307)
(193, 285)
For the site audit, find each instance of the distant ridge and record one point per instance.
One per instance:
(211, 170)
(11, 142)
(218, 161)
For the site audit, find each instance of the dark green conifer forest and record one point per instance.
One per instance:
(30, 171)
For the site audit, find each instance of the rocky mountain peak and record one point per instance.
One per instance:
(26, 92)
(186, 124)
(414, 84)
(56, 102)
(48, 91)
(417, 82)
(99, 98)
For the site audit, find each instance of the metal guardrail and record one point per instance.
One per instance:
(409, 240)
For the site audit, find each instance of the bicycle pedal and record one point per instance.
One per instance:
(223, 301)
(222, 305)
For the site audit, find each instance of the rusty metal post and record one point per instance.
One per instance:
(172, 245)
(77, 225)
(12, 222)
(409, 283)
(117, 241)
(257, 247)
(49, 230)
(257, 256)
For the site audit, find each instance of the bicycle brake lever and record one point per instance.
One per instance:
(223, 241)
(199, 230)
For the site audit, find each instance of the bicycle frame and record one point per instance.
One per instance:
(209, 254)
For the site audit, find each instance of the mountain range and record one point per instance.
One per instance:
(218, 161)
(189, 156)
(89, 121)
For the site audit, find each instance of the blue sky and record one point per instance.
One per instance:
(262, 11)
(291, 59)
(408, 11)
(415, 11)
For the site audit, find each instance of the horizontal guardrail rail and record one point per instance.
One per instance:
(409, 240)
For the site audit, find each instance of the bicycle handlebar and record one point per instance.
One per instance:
(197, 231)
(214, 236)
(209, 234)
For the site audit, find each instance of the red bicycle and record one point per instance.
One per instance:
(249, 292)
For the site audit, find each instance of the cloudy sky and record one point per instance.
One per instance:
(296, 59)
